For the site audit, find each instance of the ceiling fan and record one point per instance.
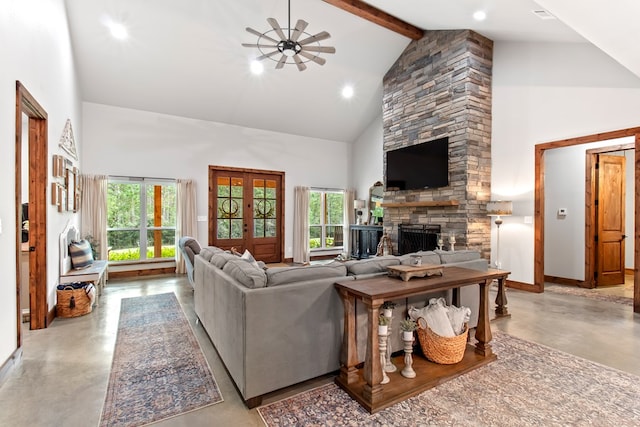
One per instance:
(290, 45)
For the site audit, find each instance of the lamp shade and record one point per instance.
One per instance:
(499, 208)
(358, 204)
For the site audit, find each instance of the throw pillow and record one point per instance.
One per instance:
(81, 254)
(248, 257)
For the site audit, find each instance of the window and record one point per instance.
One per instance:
(326, 219)
(141, 219)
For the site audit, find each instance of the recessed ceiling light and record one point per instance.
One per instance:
(257, 67)
(347, 91)
(117, 29)
(479, 15)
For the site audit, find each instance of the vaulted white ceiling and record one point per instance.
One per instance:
(185, 57)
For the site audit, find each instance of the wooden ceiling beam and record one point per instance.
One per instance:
(370, 13)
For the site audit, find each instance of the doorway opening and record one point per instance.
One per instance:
(539, 206)
(33, 117)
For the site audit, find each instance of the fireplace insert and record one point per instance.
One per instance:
(417, 237)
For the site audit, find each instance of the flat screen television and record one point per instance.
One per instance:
(419, 166)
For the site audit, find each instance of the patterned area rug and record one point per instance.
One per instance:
(587, 293)
(529, 385)
(158, 369)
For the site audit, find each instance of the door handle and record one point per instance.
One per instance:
(32, 248)
(624, 236)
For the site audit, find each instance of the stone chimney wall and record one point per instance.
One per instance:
(441, 86)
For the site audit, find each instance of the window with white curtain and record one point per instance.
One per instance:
(141, 219)
(326, 219)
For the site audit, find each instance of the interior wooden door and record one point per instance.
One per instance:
(246, 211)
(610, 220)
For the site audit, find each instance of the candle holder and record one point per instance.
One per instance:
(440, 242)
(408, 371)
(382, 344)
(452, 242)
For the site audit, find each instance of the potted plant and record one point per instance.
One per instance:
(383, 324)
(407, 326)
(387, 308)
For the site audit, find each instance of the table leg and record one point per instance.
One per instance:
(483, 331)
(348, 355)
(501, 300)
(372, 390)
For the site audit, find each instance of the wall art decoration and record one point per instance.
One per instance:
(67, 141)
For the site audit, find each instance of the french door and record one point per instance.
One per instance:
(246, 211)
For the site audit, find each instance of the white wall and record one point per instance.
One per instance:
(564, 240)
(119, 141)
(367, 160)
(543, 93)
(35, 50)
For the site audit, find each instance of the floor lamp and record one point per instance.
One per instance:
(499, 209)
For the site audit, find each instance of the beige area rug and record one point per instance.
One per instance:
(586, 293)
(158, 369)
(529, 385)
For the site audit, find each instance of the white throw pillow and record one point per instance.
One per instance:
(248, 257)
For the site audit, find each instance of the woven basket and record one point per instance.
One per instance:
(442, 350)
(73, 302)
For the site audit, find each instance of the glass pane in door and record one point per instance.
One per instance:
(229, 213)
(264, 208)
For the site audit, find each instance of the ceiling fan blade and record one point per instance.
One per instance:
(318, 37)
(300, 26)
(267, 55)
(314, 58)
(299, 63)
(281, 62)
(276, 27)
(272, 46)
(321, 49)
(259, 34)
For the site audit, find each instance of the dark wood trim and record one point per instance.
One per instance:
(523, 286)
(629, 271)
(539, 204)
(377, 16)
(565, 281)
(141, 273)
(27, 105)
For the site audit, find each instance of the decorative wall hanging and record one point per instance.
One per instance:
(67, 142)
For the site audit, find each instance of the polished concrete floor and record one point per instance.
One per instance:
(62, 378)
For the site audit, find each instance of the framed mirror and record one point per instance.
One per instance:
(376, 195)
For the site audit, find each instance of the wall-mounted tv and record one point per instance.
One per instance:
(419, 166)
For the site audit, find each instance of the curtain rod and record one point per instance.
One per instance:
(326, 189)
(140, 178)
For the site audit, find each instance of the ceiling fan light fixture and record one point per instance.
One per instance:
(290, 42)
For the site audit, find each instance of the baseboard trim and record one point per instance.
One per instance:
(523, 286)
(50, 316)
(564, 281)
(141, 273)
(629, 271)
(9, 364)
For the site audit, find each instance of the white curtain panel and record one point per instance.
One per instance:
(349, 218)
(301, 225)
(186, 217)
(93, 210)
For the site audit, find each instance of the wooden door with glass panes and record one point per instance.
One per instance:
(245, 211)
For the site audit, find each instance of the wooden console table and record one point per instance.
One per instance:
(363, 385)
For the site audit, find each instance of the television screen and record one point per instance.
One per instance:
(419, 166)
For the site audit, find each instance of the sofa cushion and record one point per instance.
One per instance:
(428, 257)
(208, 251)
(458, 256)
(282, 275)
(81, 254)
(377, 264)
(219, 259)
(245, 273)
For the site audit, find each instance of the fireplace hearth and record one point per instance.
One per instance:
(417, 237)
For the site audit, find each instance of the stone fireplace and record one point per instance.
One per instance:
(441, 87)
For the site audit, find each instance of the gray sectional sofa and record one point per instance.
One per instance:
(279, 326)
